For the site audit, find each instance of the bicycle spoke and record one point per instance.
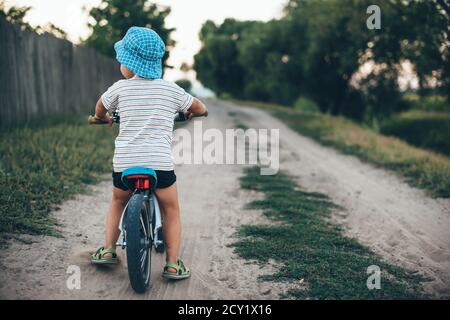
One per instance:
(143, 227)
(143, 260)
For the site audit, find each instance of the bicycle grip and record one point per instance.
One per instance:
(180, 117)
(93, 120)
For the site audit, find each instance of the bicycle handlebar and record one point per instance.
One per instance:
(179, 117)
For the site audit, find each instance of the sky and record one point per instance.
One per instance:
(186, 16)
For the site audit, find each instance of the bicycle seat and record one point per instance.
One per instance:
(139, 178)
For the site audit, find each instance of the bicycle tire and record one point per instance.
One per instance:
(137, 245)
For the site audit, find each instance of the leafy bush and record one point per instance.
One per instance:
(430, 130)
(185, 84)
(428, 103)
(306, 105)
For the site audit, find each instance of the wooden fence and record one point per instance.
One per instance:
(40, 74)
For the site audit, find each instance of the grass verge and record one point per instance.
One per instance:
(424, 129)
(310, 247)
(44, 163)
(422, 168)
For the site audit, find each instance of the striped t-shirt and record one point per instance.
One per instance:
(146, 108)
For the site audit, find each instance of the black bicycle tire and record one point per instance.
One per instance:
(133, 244)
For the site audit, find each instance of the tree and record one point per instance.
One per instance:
(185, 84)
(217, 64)
(16, 15)
(272, 71)
(185, 68)
(417, 32)
(318, 49)
(111, 20)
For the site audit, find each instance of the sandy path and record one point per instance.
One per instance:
(211, 206)
(402, 224)
(399, 222)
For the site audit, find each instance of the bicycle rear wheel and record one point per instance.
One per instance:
(138, 242)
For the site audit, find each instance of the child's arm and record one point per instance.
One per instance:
(101, 113)
(197, 109)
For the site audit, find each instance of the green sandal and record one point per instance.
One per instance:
(99, 256)
(182, 272)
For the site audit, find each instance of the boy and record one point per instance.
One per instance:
(146, 105)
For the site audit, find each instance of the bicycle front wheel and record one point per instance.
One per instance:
(138, 242)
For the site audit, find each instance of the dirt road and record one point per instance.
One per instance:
(402, 224)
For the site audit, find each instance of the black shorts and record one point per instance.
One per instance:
(165, 179)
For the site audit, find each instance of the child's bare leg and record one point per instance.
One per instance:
(119, 201)
(168, 201)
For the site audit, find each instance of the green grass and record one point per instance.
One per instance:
(309, 247)
(421, 168)
(240, 125)
(430, 130)
(430, 103)
(45, 162)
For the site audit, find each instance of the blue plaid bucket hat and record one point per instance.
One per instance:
(141, 51)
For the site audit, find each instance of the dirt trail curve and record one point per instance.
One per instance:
(400, 223)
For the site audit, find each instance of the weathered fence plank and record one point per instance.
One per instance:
(41, 74)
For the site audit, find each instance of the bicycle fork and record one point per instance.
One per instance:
(156, 226)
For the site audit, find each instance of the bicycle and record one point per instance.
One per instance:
(141, 222)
